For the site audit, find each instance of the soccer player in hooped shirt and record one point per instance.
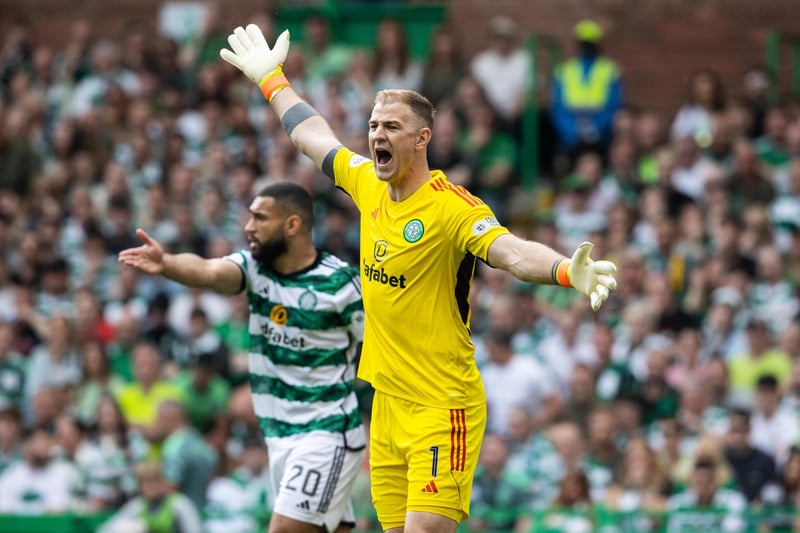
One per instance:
(306, 322)
(420, 239)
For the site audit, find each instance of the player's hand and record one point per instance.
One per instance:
(251, 53)
(595, 279)
(149, 257)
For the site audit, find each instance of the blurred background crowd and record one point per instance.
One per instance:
(682, 392)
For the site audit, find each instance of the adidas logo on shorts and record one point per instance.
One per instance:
(304, 505)
(430, 487)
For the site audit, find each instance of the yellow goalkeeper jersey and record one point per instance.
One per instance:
(417, 261)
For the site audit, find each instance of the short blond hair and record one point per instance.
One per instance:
(420, 106)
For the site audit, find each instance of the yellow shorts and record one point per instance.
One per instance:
(422, 458)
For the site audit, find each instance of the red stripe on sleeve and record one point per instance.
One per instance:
(463, 196)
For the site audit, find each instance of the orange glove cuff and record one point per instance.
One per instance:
(273, 83)
(560, 273)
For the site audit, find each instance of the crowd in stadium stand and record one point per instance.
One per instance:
(682, 393)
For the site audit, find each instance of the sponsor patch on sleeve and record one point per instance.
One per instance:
(482, 226)
(356, 160)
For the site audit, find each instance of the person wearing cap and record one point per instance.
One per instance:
(586, 92)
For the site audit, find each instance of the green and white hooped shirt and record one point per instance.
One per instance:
(304, 334)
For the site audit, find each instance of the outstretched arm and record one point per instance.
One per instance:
(252, 55)
(537, 263)
(188, 269)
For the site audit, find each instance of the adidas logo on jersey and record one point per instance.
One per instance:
(430, 487)
(303, 505)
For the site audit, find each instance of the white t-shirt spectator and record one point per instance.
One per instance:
(776, 434)
(521, 382)
(28, 491)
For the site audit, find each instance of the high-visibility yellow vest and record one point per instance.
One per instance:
(162, 519)
(591, 91)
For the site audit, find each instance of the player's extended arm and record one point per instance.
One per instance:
(188, 269)
(308, 130)
(535, 262)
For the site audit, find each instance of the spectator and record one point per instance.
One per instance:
(54, 363)
(689, 361)
(394, 66)
(761, 358)
(771, 294)
(572, 508)
(532, 454)
(492, 154)
(781, 498)
(205, 392)
(10, 436)
(90, 324)
(602, 449)
(37, 484)
(442, 70)
(12, 368)
(19, 161)
(706, 447)
(140, 399)
(324, 58)
(580, 400)
(705, 505)
(107, 70)
(705, 98)
(771, 147)
(641, 489)
(120, 349)
(498, 493)
(566, 348)
(188, 461)
(571, 446)
(774, 430)
(747, 183)
(96, 381)
(514, 380)
(157, 507)
(238, 501)
(111, 477)
(200, 339)
(752, 468)
(503, 59)
(587, 91)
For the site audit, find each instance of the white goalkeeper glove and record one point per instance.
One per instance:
(252, 55)
(595, 279)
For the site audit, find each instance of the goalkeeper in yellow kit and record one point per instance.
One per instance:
(420, 239)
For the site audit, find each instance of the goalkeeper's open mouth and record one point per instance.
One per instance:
(382, 157)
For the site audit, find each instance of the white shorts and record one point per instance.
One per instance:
(312, 479)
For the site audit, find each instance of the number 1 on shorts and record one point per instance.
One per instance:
(434, 460)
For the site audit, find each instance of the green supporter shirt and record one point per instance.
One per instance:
(499, 501)
(12, 382)
(120, 361)
(203, 406)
